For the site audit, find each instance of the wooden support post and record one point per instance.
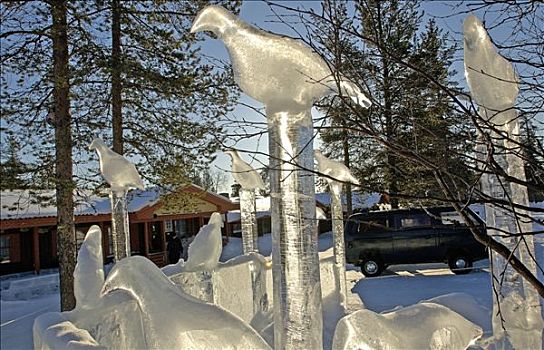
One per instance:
(162, 228)
(36, 249)
(146, 239)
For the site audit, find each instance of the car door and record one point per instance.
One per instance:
(415, 239)
(373, 238)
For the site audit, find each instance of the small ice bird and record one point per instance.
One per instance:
(243, 173)
(118, 172)
(205, 250)
(89, 271)
(320, 214)
(334, 169)
(490, 77)
(172, 319)
(273, 69)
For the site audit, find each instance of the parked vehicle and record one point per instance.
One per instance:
(375, 240)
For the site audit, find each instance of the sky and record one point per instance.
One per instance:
(260, 14)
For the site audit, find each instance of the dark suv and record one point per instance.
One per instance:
(375, 240)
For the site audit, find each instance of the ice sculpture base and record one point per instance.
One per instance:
(420, 326)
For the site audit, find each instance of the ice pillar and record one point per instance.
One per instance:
(298, 319)
(493, 86)
(119, 224)
(338, 239)
(515, 295)
(248, 220)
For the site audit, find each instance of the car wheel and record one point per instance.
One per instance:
(371, 267)
(460, 264)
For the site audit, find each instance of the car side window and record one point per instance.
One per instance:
(451, 218)
(373, 225)
(415, 220)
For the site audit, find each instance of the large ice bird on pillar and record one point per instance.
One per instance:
(288, 77)
(250, 180)
(122, 176)
(494, 87)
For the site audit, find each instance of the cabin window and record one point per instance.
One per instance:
(5, 241)
(80, 235)
(155, 243)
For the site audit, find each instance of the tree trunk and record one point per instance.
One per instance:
(116, 86)
(66, 238)
(390, 176)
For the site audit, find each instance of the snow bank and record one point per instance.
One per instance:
(468, 307)
(420, 326)
(32, 287)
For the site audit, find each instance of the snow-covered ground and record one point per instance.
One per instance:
(399, 286)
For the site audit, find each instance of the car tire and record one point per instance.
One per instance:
(460, 264)
(371, 267)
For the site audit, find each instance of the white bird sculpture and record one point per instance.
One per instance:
(334, 169)
(118, 172)
(491, 78)
(320, 214)
(171, 319)
(89, 271)
(244, 173)
(270, 68)
(205, 250)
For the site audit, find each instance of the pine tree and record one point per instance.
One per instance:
(165, 100)
(409, 113)
(57, 70)
(11, 168)
(436, 130)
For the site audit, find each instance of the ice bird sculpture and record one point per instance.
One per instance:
(266, 65)
(118, 172)
(244, 173)
(334, 169)
(492, 80)
(173, 319)
(89, 271)
(205, 250)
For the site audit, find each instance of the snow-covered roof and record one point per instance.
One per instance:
(22, 204)
(359, 200)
